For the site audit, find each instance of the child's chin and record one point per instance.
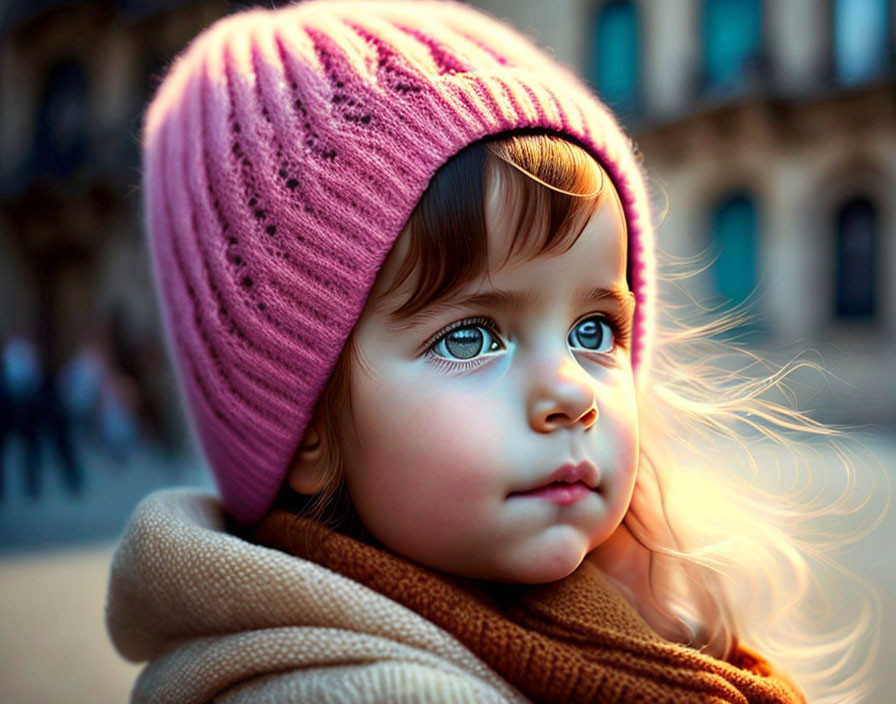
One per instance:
(550, 567)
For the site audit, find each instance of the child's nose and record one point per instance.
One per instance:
(562, 395)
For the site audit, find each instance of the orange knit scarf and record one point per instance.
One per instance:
(575, 640)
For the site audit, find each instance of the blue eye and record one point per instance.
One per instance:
(466, 342)
(594, 334)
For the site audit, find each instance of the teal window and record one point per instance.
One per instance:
(735, 247)
(616, 56)
(860, 30)
(856, 244)
(732, 41)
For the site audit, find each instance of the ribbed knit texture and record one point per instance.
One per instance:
(283, 154)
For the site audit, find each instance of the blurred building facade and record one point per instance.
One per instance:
(769, 129)
(74, 79)
(769, 133)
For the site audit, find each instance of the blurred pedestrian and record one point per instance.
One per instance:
(80, 382)
(22, 381)
(101, 400)
(53, 417)
(117, 418)
(31, 405)
(7, 427)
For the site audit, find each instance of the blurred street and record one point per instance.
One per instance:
(55, 648)
(112, 488)
(53, 570)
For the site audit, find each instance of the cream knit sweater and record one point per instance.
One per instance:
(219, 619)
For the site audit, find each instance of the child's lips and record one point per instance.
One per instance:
(585, 472)
(562, 493)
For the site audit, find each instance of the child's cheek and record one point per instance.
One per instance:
(441, 438)
(430, 454)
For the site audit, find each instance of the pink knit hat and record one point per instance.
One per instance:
(283, 155)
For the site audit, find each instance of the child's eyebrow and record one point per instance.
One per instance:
(512, 301)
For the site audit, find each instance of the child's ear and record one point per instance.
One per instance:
(306, 475)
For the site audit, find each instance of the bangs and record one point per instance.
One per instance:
(548, 189)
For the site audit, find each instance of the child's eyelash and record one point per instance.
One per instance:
(621, 326)
(487, 323)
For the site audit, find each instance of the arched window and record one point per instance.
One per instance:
(61, 137)
(735, 245)
(616, 56)
(732, 41)
(860, 38)
(856, 244)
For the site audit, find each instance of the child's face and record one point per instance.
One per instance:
(453, 431)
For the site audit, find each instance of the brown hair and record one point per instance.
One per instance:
(550, 188)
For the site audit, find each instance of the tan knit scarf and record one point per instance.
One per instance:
(575, 640)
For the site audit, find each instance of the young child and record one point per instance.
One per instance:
(406, 263)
